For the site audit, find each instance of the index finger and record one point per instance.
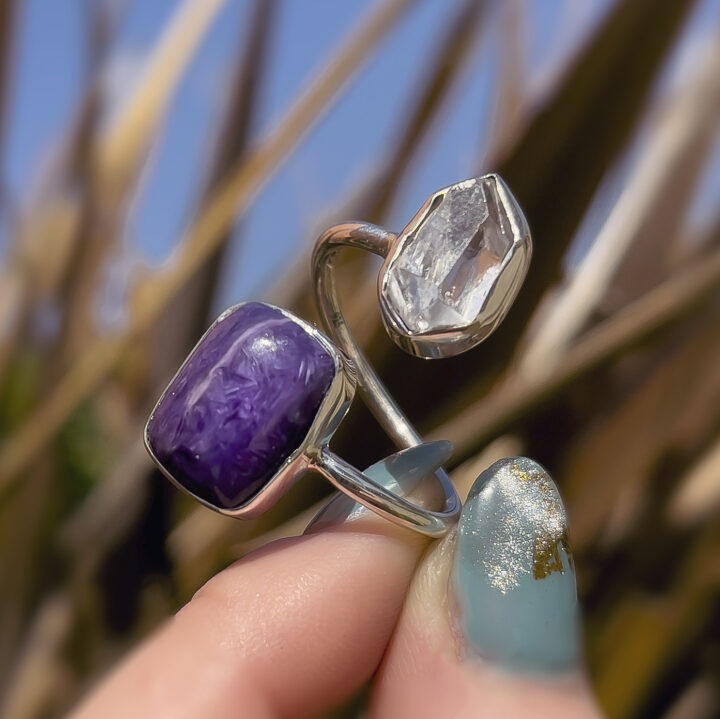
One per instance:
(290, 630)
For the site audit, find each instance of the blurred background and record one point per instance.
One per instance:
(162, 160)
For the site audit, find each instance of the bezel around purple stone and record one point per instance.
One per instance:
(330, 413)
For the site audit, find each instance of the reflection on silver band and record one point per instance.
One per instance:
(378, 241)
(447, 282)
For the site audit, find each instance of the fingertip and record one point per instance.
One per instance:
(489, 628)
(512, 583)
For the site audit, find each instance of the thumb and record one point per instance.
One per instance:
(490, 627)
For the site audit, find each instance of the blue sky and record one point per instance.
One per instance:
(49, 72)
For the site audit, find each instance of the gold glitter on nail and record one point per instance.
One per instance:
(530, 530)
(546, 558)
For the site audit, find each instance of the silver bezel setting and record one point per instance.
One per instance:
(453, 341)
(329, 415)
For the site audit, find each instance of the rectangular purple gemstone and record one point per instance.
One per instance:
(241, 404)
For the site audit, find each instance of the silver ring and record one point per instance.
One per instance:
(256, 402)
(447, 282)
(254, 407)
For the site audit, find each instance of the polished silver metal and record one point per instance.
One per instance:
(374, 239)
(435, 341)
(314, 453)
(378, 399)
(501, 286)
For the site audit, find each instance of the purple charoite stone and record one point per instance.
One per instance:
(240, 405)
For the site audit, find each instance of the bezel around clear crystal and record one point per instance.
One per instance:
(333, 408)
(449, 341)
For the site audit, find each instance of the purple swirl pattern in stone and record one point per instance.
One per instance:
(241, 404)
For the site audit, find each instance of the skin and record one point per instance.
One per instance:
(297, 627)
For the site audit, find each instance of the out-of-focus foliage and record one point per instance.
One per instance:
(606, 372)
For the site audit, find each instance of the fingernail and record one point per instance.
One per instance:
(512, 584)
(401, 473)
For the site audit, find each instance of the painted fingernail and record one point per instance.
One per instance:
(512, 585)
(401, 473)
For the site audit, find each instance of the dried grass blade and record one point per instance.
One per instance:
(517, 394)
(373, 195)
(511, 94)
(444, 68)
(186, 316)
(592, 115)
(698, 495)
(683, 136)
(151, 297)
(125, 140)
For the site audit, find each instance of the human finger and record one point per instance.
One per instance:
(288, 631)
(490, 627)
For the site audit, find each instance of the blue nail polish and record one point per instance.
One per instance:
(512, 580)
(401, 473)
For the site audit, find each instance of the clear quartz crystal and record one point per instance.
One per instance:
(441, 275)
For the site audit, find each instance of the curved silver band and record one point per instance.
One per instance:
(432, 523)
(358, 486)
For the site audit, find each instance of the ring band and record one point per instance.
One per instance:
(483, 220)
(256, 402)
(380, 402)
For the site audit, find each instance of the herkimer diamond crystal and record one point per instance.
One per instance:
(440, 276)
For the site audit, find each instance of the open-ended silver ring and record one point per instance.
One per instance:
(256, 402)
(447, 282)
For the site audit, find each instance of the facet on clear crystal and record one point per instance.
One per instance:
(441, 275)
